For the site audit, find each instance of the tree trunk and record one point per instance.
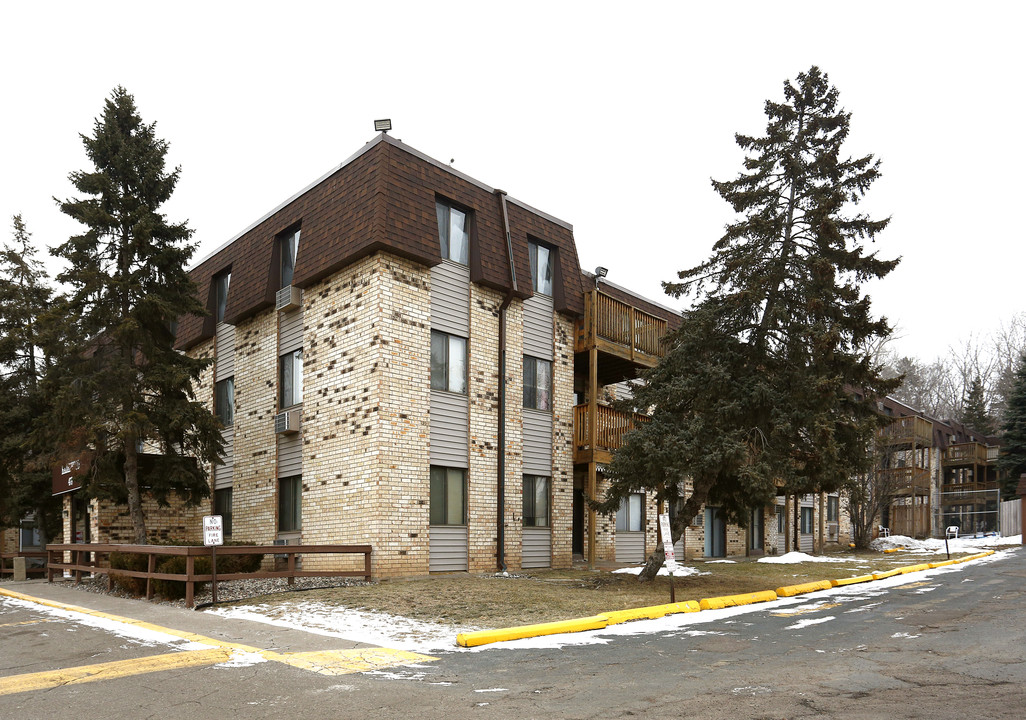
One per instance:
(699, 494)
(135, 510)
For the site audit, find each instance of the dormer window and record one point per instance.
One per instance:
(453, 233)
(541, 268)
(288, 246)
(221, 282)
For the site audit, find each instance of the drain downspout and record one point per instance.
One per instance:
(500, 554)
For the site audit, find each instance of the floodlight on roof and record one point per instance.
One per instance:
(383, 125)
(601, 271)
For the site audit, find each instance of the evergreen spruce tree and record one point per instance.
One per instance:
(780, 326)
(974, 409)
(129, 386)
(1012, 461)
(25, 477)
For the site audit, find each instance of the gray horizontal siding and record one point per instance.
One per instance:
(537, 442)
(450, 417)
(290, 331)
(290, 454)
(630, 547)
(538, 326)
(450, 298)
(225, 366)
(223, 473)
(537, 551)
(447, 548)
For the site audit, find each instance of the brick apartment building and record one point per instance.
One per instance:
(407, 358)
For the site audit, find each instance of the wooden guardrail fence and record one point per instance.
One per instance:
(90, 558)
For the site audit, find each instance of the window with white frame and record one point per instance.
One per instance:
(630, 516)
(221, 283)
(223, 507)
(290, 504)
(541, 268)
(806, 521)
(448, 496)
(536, 501)
(224, 401)
(453, 233)
(448, 362)
(291, 378)
(537, 383)
(288, 248)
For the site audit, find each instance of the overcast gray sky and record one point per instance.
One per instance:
(610, 116)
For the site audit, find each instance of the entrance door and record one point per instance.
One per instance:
(715, 533)
(755, 531)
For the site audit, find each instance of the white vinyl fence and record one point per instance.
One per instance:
(1011, 518)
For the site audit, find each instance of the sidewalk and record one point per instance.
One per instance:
(228, 630)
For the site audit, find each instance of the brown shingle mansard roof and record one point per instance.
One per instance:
(381, 198)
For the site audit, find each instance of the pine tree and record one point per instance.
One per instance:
(780, 323)
(974, 409)
(128, 287)
(1012, 461)
(25, 479)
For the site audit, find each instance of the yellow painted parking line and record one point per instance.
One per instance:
(24, 622)
(913, 585)
(347, 662)
(331, 662)
(804, 611)
(110, 670)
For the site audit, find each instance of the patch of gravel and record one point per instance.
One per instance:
(228, 591)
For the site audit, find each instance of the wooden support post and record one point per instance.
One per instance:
(151, 567)
(190, 584)
(592, 439)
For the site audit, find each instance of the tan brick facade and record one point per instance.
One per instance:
(254, 511)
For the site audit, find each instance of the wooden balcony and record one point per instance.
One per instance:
(612, 425)
(628, 336)
(907, 480)
(908, 431)
(966, 454)
(966, 492)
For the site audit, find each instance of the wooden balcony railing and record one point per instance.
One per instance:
(612, 426)
(905, 479)
(966, 454)
(613, 321)
(966, 491)
(908, 430)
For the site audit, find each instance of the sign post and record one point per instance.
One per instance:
(668, 553)
(213, 535)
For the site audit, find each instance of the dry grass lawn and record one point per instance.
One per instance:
(490, 601)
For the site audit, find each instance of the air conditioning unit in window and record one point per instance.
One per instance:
(288, 422)
(289, 297)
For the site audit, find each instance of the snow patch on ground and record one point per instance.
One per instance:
(967, 544)
(723, 562)
(904, 635)
(681, 571)
(810, 621)
(142, 636)
(373, 628)
(793, 558)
